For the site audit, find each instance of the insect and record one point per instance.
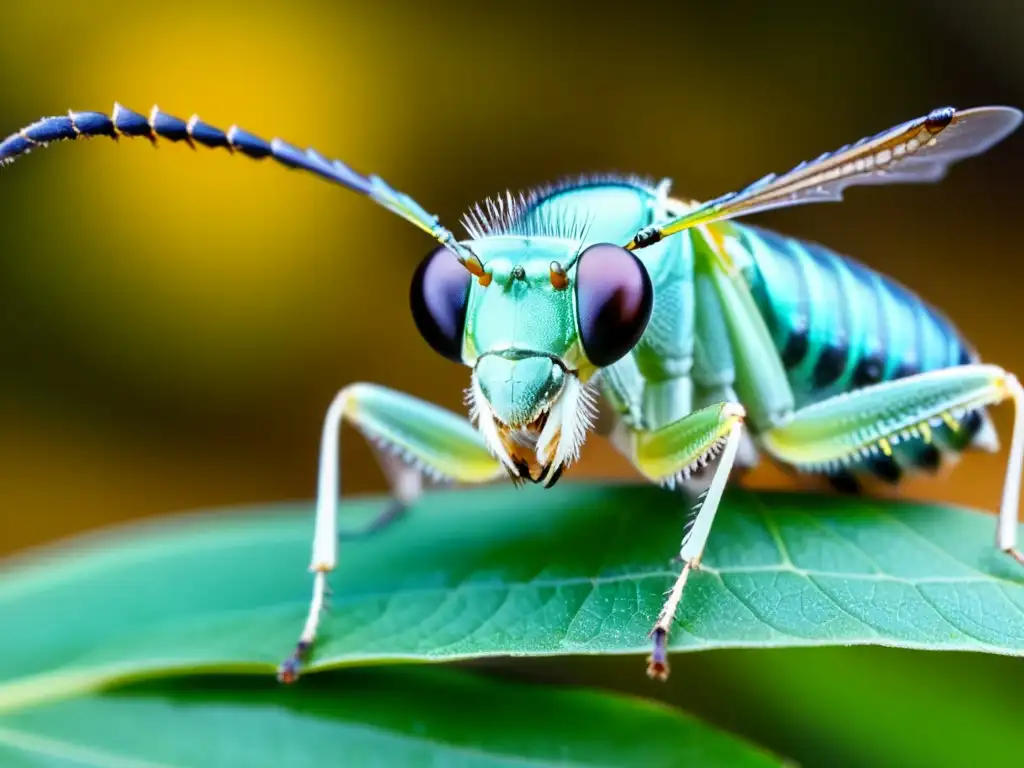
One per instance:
(689, 340)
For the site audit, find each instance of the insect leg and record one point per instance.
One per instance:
(668, 455)
(714, 366)
(759, 377)
(847, 428)
(416, 438)
(406, 484)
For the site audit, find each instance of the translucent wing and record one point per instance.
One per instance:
(917, 151)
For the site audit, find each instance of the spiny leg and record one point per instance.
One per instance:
(416, 438)
(849, 428)
(668, 455)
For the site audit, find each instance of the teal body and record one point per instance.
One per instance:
(836, 325)
(839, 325)
(653, 384)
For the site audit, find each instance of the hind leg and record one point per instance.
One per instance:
(868, 422)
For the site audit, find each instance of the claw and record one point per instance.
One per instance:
(288, 672)
(657, 662)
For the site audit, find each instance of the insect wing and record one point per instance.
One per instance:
(918, 151)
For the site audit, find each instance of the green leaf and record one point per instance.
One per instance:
(578, 569)
(386, 717)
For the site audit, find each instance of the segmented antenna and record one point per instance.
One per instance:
(124, 122)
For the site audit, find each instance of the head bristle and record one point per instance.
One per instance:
(519, 215)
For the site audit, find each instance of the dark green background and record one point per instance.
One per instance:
(174, 324)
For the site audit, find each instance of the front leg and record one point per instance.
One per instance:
(668, 455)
(413, 438)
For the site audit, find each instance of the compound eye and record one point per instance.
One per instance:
(614, 297)
(438, 295)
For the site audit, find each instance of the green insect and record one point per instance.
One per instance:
(577, 310)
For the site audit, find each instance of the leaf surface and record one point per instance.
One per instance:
(575, 570)
(386, 717)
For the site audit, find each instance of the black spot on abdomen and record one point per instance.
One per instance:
(830, 366)
(796, 349)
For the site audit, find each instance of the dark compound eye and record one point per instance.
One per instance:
(614, 297)
(438, 295)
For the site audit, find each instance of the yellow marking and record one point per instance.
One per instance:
(950, 421)
(885, 446)
(350, 407)
(29, 139)
(715, 237)
(926, 431)
(1005, 387)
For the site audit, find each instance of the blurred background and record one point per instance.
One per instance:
(173, 324)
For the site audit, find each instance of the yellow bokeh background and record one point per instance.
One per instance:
(176, 321)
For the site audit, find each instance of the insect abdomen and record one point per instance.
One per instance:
(839, 326)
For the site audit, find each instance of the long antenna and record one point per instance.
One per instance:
(159, 125)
